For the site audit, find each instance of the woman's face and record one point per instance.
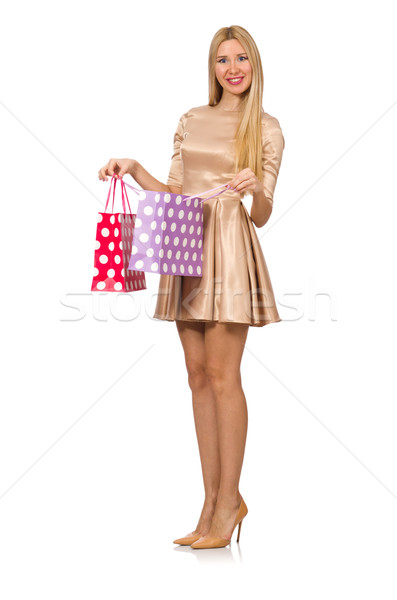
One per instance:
(232, 67)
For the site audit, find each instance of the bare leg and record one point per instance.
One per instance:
(204, 410)
(224, 346)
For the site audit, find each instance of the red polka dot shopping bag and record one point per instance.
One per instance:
(168, 234)
(114, 236)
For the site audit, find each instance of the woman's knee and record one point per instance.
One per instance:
(197, 376)
(221, 379)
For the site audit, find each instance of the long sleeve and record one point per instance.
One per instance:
(273, 145)
(175, 176)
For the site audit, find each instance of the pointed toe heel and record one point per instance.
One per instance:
(187, 540)
(217, 542)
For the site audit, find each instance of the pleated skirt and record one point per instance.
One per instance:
(235, 286)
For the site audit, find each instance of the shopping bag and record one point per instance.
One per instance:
(168, 235)
(113, 249)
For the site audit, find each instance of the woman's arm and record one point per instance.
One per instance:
(119, 167)
(148, 182)
(262, 205)
(272, 152)
(261, 208)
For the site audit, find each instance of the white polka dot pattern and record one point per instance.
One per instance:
(112, 253)
(167, 233)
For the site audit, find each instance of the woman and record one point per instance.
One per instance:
(230, 141)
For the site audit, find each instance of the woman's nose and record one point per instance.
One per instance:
(234, 67)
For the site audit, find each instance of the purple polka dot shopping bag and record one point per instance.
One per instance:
(168, 234)
(113, 249)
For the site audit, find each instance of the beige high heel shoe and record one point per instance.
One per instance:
(220, 542)
(188, 539)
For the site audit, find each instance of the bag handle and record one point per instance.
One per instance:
(207, 192)
(123, 192)
(130, 186)
(225, 185)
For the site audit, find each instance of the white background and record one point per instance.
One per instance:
(99, 462)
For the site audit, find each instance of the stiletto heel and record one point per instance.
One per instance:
(239, 527)
(220, 542)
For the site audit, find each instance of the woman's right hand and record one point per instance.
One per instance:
(116, 166)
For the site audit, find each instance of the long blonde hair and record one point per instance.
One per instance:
(248, 140)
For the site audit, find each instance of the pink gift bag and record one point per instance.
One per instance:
(113, 249)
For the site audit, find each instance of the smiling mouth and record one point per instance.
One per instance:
(235, 80)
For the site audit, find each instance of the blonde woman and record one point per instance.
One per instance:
(230, 141)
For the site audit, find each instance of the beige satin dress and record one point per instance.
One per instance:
(235, 286)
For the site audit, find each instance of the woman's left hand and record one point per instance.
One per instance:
(245, 181)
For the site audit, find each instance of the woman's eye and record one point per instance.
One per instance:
(243, 58)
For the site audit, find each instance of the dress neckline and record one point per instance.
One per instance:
(226, 110)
